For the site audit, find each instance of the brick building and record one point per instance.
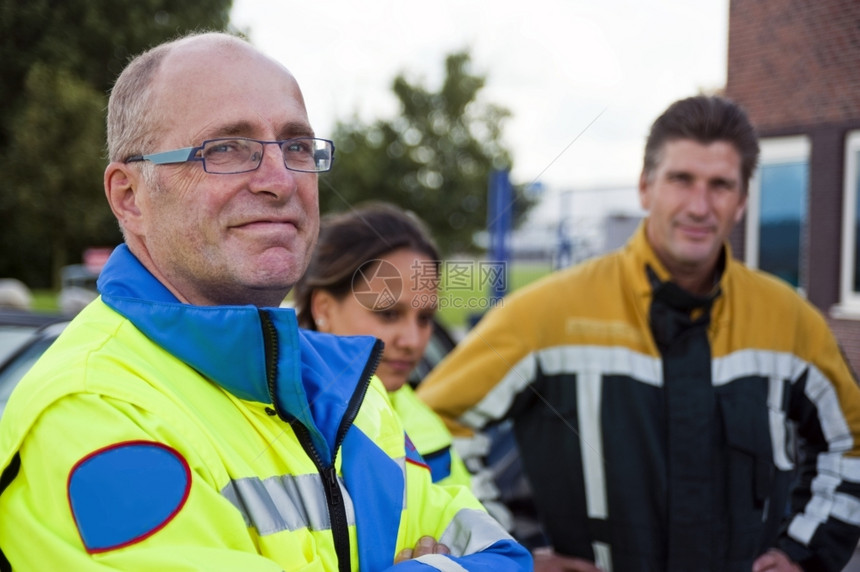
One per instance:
(795, 66)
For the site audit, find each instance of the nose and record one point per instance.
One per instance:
(272, 176)
(698, 202)
(408, 334)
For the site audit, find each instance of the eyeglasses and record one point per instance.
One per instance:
(241, 155)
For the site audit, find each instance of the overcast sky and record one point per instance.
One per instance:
(583, 78)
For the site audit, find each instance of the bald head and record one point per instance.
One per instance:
(136, 110)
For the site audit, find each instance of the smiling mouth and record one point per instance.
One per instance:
(400, 365)
(696, 230)
(265, 224)
(265, 221)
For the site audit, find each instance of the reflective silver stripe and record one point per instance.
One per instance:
(833, 468)
(288, 502)
(589, 390)
(440, 562)
(602, 556)
(778, 366)
(471, 531)
(579, 360)
(498, 400)
(748, 363)
(602, 360)
(590, 364)
(825, 501)
(401, 463)
(777, 423)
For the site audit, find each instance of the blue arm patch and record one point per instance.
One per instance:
(124, 493)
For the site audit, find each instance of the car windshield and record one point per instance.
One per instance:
(12, 337)
(13, 374)
(20, 347)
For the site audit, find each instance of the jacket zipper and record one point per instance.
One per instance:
(328, 473)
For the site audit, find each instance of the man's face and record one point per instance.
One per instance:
(227, 239)
(694, 197)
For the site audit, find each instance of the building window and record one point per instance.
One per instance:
(850, 293)
(777, 209)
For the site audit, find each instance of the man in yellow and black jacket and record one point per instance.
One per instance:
(665, 397)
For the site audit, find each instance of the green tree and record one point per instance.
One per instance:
(435, 158)
(55, 151)
(58, 60)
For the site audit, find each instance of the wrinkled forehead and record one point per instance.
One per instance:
(208, 88)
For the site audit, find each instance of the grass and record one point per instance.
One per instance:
(44, 301)
(463, 294)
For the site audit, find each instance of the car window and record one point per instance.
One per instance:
(20, 347)
(15, 370)
(12, 337)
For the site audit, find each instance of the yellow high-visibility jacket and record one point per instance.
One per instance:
(155, 435)
(430, 437)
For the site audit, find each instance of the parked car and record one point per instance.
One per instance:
(78, 288)
(24, 336)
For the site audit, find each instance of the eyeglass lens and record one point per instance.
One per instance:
(238, 155)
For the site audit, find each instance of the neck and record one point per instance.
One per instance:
(206, 294)
(694, 284)
(695, 279)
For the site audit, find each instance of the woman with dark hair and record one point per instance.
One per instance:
(375, 271)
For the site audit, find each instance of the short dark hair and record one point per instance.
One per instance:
(349, 240)
(704, 119)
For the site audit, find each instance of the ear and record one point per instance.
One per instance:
(322, 310)
(644, 196)
(122, 185)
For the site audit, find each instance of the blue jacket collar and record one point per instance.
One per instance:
(316, 376)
